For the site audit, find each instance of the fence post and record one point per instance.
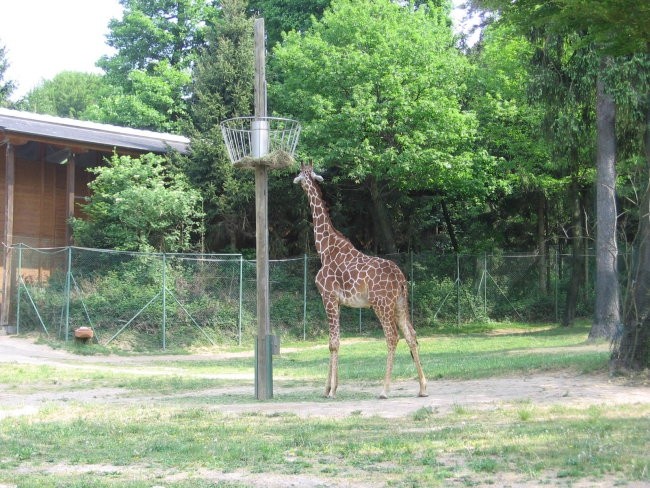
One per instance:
(67, 294)
(20, 267)
(241, 293)
(557, 284)
(485, 284)
(304, 300)
(412, 288)
(164, 302)
(458, 289)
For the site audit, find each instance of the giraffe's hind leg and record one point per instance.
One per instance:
(409, 336)
(387, 320)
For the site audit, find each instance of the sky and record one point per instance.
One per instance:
(45, 37)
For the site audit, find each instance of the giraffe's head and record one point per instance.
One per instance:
(307, 176)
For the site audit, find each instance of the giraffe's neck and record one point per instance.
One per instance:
(328, 239)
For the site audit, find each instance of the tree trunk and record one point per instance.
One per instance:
(607, 307)
(632, 349)
(450, 226)
(577, 262)
(382, 225)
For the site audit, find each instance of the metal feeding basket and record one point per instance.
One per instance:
(268, 141)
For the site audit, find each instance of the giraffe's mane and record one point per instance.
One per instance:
(326, 209)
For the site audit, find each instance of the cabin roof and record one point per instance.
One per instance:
(88, 134)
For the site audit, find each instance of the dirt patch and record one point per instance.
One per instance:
(566, 388)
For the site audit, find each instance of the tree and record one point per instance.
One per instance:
(287, 15)
(616, 28)
(6, 86)
(68, 94)
(154, 101)
(632, 343)
(223, 88)
(156, 44)
(379, 90)
(562, 73)
(151, 31)
(607, 315)
(509, 123)
(139, 204)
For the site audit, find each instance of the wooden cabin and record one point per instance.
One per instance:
(43, 163)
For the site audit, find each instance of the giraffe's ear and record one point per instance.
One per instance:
(318, 178)
(299, 178)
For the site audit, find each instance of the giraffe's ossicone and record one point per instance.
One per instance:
(349, 277)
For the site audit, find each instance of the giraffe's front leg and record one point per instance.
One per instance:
(389, 369)
(332, 375)
(333, 311)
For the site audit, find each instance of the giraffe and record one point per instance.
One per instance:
(351, 278)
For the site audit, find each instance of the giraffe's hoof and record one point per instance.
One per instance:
(383, 396)
(423, 394)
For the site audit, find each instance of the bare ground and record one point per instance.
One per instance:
(567, 388)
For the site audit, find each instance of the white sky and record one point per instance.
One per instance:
(44, 37)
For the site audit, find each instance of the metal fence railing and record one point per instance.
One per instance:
(140, 299)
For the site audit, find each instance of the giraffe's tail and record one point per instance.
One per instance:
(403, 315)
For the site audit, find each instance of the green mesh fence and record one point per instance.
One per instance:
(140, 300)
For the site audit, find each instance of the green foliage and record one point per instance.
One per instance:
(6, 86)
(509, 123)
(619, 27)
(223, 75)
(157, 42)
(151, 31)
(379, 89)
(154, 100)
(139, 205)
(69, 94)
(281, 16)
(223, 88)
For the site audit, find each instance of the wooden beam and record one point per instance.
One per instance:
(77, 146)
(7, 238)
(18, 140)
(69, 203)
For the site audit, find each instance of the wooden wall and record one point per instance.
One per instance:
(40, 201)
(40, 216)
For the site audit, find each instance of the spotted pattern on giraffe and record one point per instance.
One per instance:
(350, 278)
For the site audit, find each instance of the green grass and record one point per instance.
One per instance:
(456, 356)
(186, 441)
(429, 449)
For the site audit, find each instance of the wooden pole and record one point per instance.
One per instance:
(70, 192)
(260, 69)
(264, 367)
(7, 238)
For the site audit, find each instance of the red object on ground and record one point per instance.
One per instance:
(84, 333)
